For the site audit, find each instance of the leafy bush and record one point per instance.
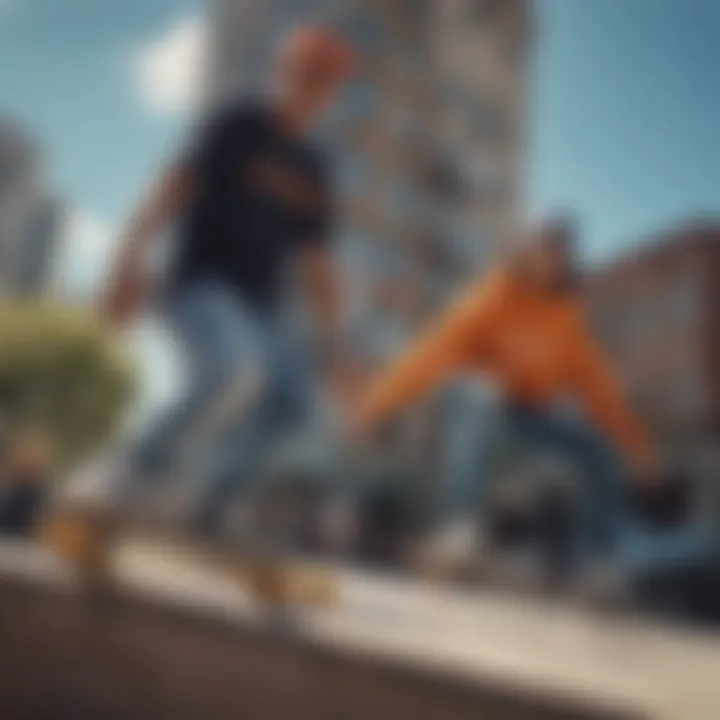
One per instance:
(64, 374)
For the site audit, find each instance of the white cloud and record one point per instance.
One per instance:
(86, 233)
(167, 70)
(86, 246)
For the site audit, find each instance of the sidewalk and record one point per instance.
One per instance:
(526, 649)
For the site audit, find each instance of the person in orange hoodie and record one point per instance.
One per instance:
(523, 329)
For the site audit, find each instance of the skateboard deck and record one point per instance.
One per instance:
(88, 540)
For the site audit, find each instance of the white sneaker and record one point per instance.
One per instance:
(451, 549)
(95, 484)
(604, 586)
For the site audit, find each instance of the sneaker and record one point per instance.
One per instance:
(101, 482)
(451, 551)
(82, 535)
(604, 587)
(80, 524)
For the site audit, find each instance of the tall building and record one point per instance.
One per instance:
(37, 259)
(658, 313)
(428, 142)
(29, 216)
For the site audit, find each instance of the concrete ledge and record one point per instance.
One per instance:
(175, 644)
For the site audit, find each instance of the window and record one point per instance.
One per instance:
(400, 198)
(485, 178)
(355, 175)
(442, 179)
(487, 121)
(365, 30)
(683, 303)
(481, 11)
(688, 395)
(361, 101)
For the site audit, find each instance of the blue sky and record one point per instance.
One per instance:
(65, 71)
(625, 108)
(626, 114)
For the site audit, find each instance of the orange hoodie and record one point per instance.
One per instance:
(537, 346)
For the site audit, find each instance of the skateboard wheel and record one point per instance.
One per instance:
(76, 536)
(283, 584)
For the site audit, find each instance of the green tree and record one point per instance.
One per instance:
(64, 374)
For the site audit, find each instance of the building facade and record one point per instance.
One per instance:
(428, 142)
(29, 216)
(658, 314)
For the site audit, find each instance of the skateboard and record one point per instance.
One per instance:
(87, 538)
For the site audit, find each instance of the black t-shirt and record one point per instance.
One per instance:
(260, 195)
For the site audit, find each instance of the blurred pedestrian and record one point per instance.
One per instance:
(23, 484)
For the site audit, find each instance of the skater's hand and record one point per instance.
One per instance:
(647, 469)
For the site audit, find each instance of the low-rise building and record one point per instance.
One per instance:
(657, 311)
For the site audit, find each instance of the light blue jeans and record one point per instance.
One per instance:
(246, 388)
(479, 422)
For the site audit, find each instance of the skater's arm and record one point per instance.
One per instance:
(599, 390)
(164, 200)
(447, 346)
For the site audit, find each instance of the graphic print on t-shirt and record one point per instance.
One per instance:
(262, 197)
(274, 177)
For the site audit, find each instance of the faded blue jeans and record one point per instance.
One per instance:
(246, 388)
(480, 420)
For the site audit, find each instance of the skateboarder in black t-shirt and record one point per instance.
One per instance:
(250, 195)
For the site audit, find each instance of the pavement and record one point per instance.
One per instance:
(533, 646)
